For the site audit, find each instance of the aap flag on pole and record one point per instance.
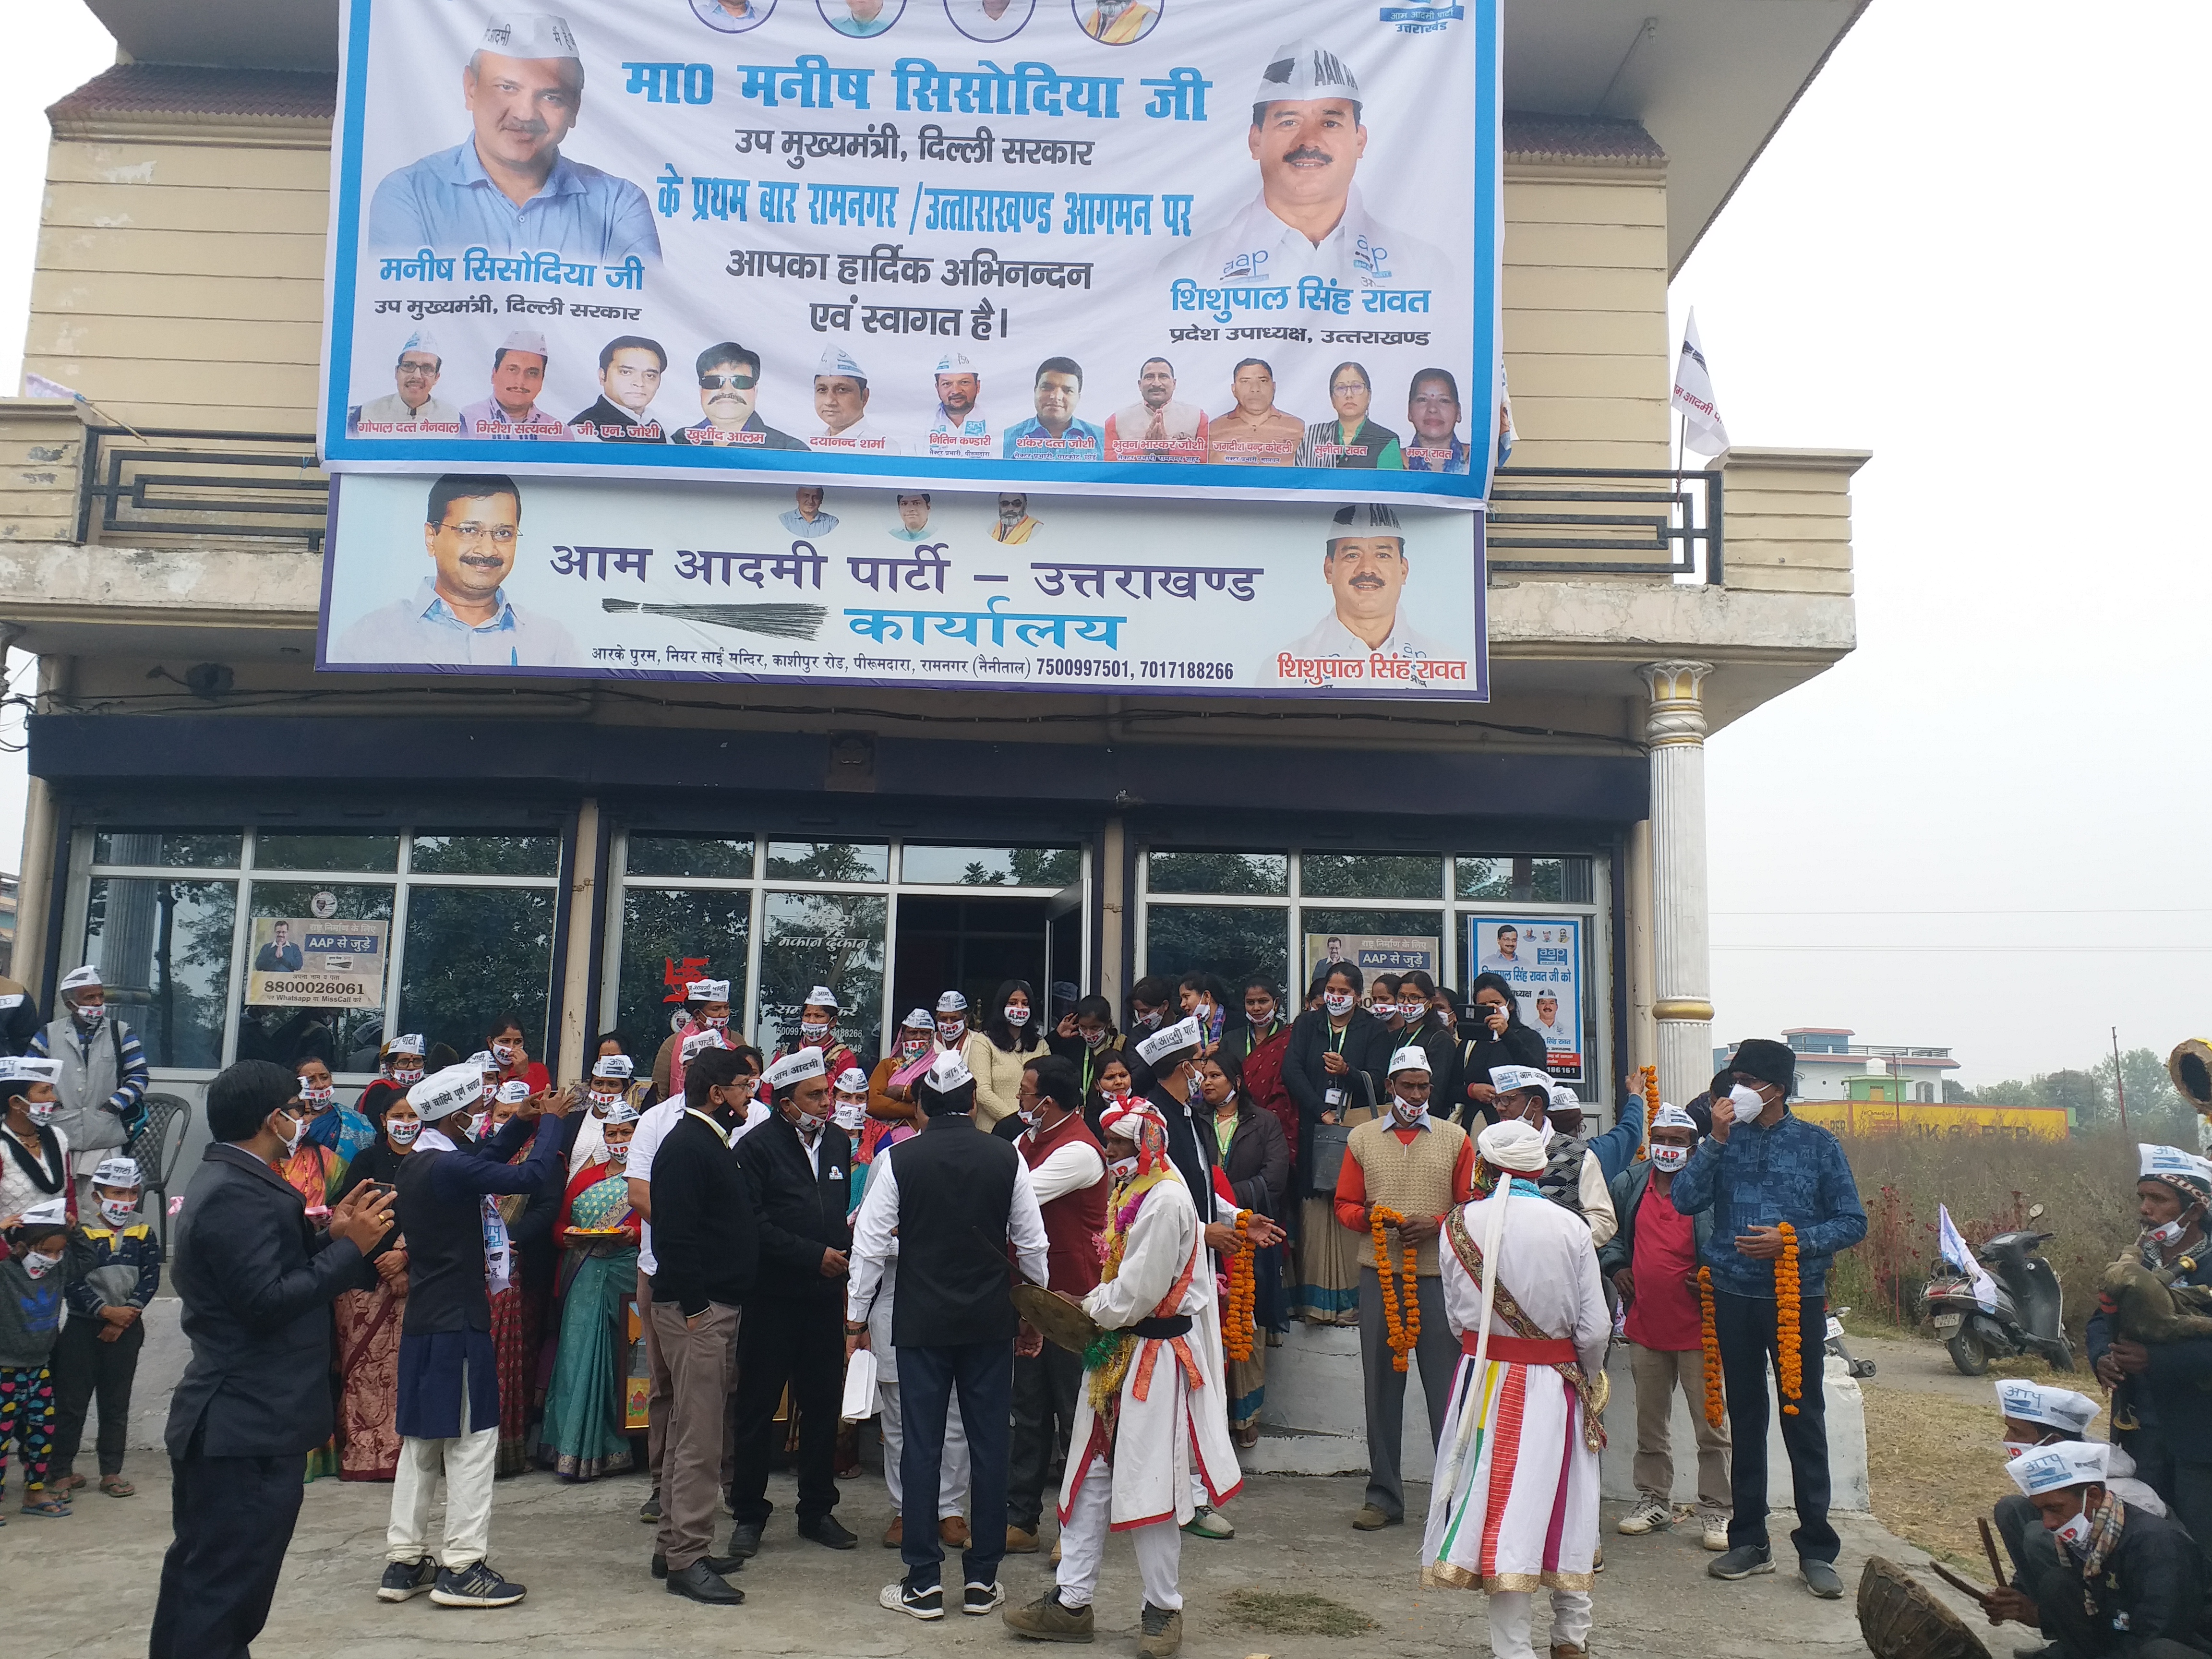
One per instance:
(1954, 1249)
(1694, 400)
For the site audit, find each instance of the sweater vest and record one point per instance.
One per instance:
(1562, 1178)
(1074, 1222)
(1415, 1180)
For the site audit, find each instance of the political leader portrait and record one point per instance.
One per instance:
(1366, 566)
(506, 188)
(412, 407)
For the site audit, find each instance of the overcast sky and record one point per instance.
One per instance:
(1975, 249)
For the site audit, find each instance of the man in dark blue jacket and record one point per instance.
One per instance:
(257, 1282)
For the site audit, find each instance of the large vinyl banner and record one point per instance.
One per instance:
(486, 574)
(1125, 247)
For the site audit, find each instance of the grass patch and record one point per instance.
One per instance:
(1286, 1614)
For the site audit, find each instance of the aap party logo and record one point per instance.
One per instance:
(1422, 19)
(2049, 1470)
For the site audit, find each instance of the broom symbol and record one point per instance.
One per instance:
(782, 622)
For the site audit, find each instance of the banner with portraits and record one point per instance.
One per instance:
(488, 573)
(1127, 246)
(1541, 958)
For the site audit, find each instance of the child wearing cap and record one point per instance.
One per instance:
(98, 1353)
(35, 1150)
(43, 1256)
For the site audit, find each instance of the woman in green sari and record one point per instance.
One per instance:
(597, 1234)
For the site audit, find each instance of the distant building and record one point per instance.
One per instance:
(7, 886)
(1831, 1066)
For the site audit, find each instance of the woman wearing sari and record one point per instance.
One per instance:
(1255, 1158)
(583, 1433)
(315, 1169)
(513, 1330)
(368, 1320)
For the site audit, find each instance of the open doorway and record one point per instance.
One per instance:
(971, 946)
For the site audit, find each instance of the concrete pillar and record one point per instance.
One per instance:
(577, 970)
(1113, 913)
(1675, 727)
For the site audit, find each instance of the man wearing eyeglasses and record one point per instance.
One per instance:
(460, 614)
(729, 386)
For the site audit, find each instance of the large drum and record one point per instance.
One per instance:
(1900, 1619)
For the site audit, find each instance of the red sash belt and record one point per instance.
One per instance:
(1525, 1350)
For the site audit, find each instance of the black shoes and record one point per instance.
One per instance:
(649, 1511)
(405, 1580)
(903, 1597)
(723, 1564)
(702, 1582)
(822, 1529)
(745, 1540)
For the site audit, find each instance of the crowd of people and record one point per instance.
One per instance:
(470, 1271)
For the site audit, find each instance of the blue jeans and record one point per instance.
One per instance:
(984, 1373)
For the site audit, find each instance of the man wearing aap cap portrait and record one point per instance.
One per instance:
(1366, 569)
(414, 407)
(1308, 134)
(507, 187)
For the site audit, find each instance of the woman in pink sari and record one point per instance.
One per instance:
(368, 1320)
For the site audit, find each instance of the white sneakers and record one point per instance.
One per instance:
(1650, 1514)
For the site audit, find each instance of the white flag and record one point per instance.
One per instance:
(38, 385)
(1703, 429)
(1955, 1250)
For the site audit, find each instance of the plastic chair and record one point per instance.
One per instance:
(158, 1144)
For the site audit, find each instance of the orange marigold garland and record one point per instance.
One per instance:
(1715, 1405)
(1650, 1105)
(1789, 1321)
(1401, 1316)
(1236, 1330)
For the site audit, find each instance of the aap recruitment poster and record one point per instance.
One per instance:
(1372, 953)
(316, 962)
(491, 575)
(1542, 961)
(1129, 247)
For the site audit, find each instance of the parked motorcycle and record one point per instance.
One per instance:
(1835, 1346)
(2026, 1318)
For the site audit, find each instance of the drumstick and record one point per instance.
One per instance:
(1957, 1583)
(1990, 1549)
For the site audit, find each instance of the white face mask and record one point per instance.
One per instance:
(407, 1074)
(1122, 1168)
(38, 1265)
(619, 1154)
(118, 1211)
(41, 1110)
(472, 1124)
(1017, 1015)
(715, 1022)
(2076, 1532)
(504, 1053)
(2018, 1449)
(314, 1099)
(1745, 1104)
(1406, 1112)
(1147, 1021)
(601, 1102)
(1337, 1002)
(1098, 1039)
(296, 1129)
(814, 1030)
(950, 1031)
(2171, 1233)
(90, 1017)
(403, 1135)
(850, 1114)
(1411, 1011)
(913, 1045)
(1670, 1158)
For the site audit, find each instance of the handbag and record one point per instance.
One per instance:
(1330, 1139)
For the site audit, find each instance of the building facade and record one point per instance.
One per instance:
(569, 851)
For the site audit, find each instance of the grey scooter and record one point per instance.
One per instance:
(2027, 1316)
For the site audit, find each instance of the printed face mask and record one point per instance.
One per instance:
(1411, 1011)
(1097, 1039)
(1337, 1002)
(1147, 1021)
(1745, 1104)
(118, 1212)
(2170, 1233)
(2075, 1533)
(619, 1154)
(1670, 1158)
(601, 1101)
(39, 1265)
(403, 1135)
(851, 1114)
(814, 1030)
(912, 1048)
(1017, 1015)
(2018, 1449)
(41, 1110)
(950, 1031)
(1122, 1168)
(407, 1074)
(90, 1017)
(291, 1128)
(716, 1022)
(316, 1100)
(1406, 1112)
(504, 1053)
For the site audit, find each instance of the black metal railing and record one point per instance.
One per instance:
(163, 481)
(1607, 521)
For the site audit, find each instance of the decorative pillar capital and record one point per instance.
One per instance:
(1677, 715)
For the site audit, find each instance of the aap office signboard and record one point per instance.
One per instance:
(1542, 960)
(316, 962)
(488, 573)
(1132, 246)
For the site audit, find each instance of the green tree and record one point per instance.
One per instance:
(2153, 1104)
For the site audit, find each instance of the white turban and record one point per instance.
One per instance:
(1514, 1145)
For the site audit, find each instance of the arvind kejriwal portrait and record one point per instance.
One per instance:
(459, 614)
(507, 187)
(1366, 567)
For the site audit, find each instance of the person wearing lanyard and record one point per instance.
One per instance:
(1332, 1048)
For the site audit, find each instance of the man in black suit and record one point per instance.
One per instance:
(799, 1166)
(257, 1282)
(280, 955)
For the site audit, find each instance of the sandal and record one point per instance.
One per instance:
(116, 1487)
(63, 1485)
(51, 1507)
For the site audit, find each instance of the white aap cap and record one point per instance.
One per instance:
(955, 362)
(529, 35)
(1505, 1078)
(1411, 1058)
(1169, 1039)
(29, 1069)
(412, 1043)
(443, 1093)
(822, 997)
(2175, 1167)
(483, 1060)
(1514, 1144)
(615, 1068)
(118, 1172)
(836, 360)
(952, 1003)
(709, 1038)
(422, 340)
(1672, 1117)
(948, 1072)
(86, 978)
(525, 339)
(851, 1081)
(795, 1067)
(54, 1213)
(1564, 1099)
(918, 1020)
(2032, 1402)
(2068, 1463)
(513, 1092)
(621, 1112)
(1301, 71)
(707, 990)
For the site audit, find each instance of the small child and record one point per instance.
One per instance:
(98, 1353)
(43, 1253)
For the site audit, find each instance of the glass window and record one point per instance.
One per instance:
(1230, 940)
(1379, 941)
(835, 939)
(345, 1039)
(163, 951)
(486, 855)
(201, 849)
(287, 851)
(1371, 875)
(473, 953)
(1558, 881)
(991, 867)
(1257, 873)
(671, 936)
(726, 858)
(818, 860)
